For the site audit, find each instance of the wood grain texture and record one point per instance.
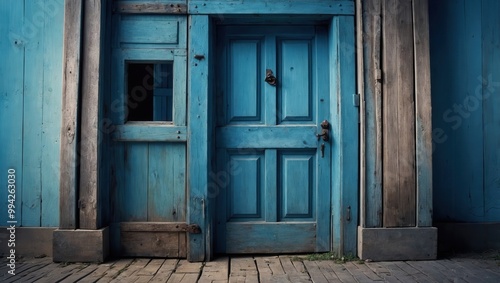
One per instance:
(89, 197)
(423, 113)
(491, 103)
(371, 108)
(149, 8)
(150, 244)
(154, 132)
(278, 7)
(198, 134)
(398, 115)
(71, 84)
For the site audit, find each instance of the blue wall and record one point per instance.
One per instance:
(465, 71)
(30, 108)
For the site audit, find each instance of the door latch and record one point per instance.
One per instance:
(325, 131)
(270, 78)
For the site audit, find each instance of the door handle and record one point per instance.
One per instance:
(270, 78)
(325, 131)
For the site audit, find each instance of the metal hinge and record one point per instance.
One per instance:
(355, 99)
(192, 229)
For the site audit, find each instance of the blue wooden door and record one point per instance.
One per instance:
(273, 173)
(147, 105)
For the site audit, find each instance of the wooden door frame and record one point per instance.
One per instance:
(202, 176)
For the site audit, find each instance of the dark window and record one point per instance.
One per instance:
(149, 91)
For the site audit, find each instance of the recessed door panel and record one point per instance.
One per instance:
(295, 96)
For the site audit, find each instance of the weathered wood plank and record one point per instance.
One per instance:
(150, 244)
(71, 84)
(294, 270)
(149, 8)
(267, 137)
(81, 273)
(51, 120)
(314, 271)
(278, 7)
(165, 271)
(131, 271)
(371, 108)
(198, 133)
(153, 132)
(398, 115)
(32, 124)
(423, 122)
(89, 198)
(60, 272)
(491, 102)
(153, 227)
(243, 269)
(11, 101)
(217, 270)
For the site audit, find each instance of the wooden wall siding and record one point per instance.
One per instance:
(89, 198)
(277, 7)
(398, 115)
(69, 126)
(396, 127)
(371, 102)
(465, 87)
(30, 111)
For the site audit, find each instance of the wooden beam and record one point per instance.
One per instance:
(89, 202)
(398, 114)
(198, 128)
(69, 129)
(149, 8)
(423, 116)
(362, 133)
(371, 108)
(276, 7)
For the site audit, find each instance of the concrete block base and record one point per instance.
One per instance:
(81, 245)
(383, 244)
(468, 237)
(29, 242)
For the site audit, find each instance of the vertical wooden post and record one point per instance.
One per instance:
(423, 116)
(198, 129)
(398, 115)
(89, 146)
(69, 130)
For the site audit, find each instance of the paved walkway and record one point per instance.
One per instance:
(471, 269)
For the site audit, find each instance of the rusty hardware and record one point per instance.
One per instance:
(199, 56)
(192, 229)
(270, 78)
(322, 147)
(325, 131)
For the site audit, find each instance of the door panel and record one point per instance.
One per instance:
(273, 200)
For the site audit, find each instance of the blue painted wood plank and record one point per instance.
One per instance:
(270, 92)
(11, 101)
(268, 137)
(166, 189)
(135, 189)
(321, 75)
(52, 85)
(296, 96)
(180, 91)
(277, 7)
(198, 129)
(297, 191)
(155, 132)
(271, 188)
(423, 119)
(457, 121)
(345, 135)
(491, 103)
(32, 119)
(270, 237)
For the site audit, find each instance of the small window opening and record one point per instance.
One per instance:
(149, 91)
